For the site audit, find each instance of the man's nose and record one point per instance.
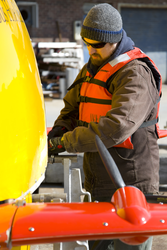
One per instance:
(91, 50)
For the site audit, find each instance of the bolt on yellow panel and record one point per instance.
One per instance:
(23, 147)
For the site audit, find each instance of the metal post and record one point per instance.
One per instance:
(67, 178)
(73, 190)
(76, 186)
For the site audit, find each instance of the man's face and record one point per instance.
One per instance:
(99, 55)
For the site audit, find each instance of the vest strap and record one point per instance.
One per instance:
(149, 123)
(144, 125)
(152, 122)
(76, 82)
(81, 123)
(98, 82)
(90, 80)
(94, 100)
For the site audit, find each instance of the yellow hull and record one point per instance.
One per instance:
(23, 142)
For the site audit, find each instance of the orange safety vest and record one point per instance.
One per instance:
(96, 100)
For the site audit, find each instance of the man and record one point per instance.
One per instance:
(115, 95)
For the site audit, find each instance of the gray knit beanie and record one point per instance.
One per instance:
(103, 23)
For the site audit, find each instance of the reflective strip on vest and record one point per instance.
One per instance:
(121, 58)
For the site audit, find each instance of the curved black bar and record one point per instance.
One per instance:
(109, 164)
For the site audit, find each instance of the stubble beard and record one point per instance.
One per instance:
(96, 61)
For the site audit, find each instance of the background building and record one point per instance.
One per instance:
(145, 21)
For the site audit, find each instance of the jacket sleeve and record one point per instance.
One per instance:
(134, 99)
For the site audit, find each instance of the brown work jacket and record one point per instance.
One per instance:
(134, 98)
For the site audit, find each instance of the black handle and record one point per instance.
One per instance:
(109, 164)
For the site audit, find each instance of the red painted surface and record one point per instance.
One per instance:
(80, 221)
(163, 133)
(7, 212)
(135, 210)
(128, 217)
(48, 130)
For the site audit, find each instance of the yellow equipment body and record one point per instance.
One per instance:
(23, 140)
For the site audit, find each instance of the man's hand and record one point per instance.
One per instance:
(56, 132)
(55, 146)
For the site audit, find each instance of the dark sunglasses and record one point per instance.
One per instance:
(94, 45)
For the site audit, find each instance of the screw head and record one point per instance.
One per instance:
(162, 221)
(105, 224)
(31, 229)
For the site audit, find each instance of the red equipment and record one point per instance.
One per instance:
(128, 217)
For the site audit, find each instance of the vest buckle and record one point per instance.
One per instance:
(84, 98)
(87, 79)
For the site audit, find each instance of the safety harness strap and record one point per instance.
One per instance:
(81, 123)
(149, 123)
(90, 80)
(152, 122)
(144, 125)
(94, 100)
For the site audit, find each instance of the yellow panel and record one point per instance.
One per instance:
(28, 198)
(23, 148)
(21, 248)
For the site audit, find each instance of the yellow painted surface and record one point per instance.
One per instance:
(23, 143)
(21, 248)
(28, 198)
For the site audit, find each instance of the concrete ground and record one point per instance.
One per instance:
(53, 107)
